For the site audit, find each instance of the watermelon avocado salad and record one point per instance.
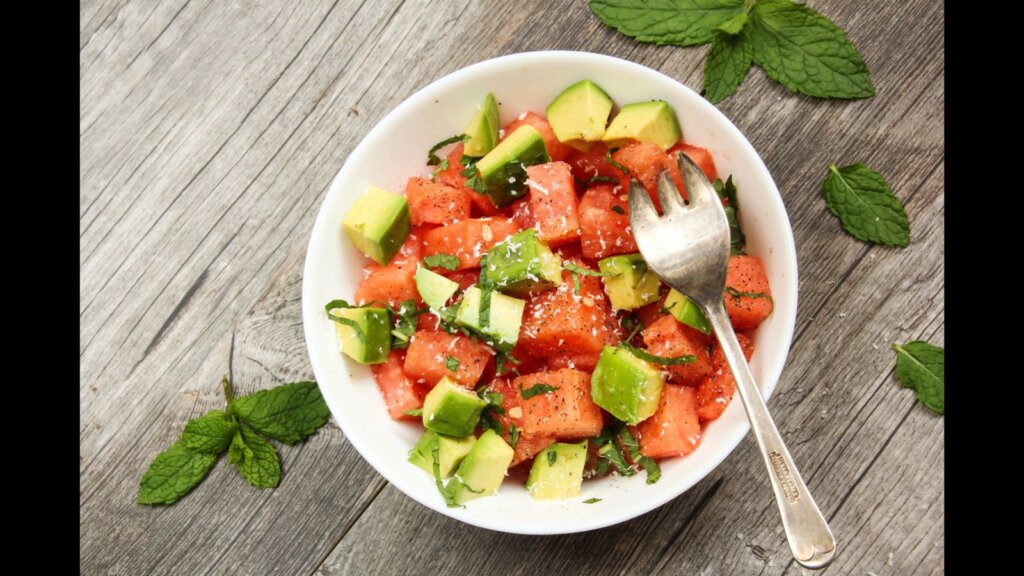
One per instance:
(508, 310)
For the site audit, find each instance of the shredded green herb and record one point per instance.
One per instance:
(608, 158)
(591, 500)
(661, 360)
(441, 260)
(513, 435)
(536, 390)
(406, 316)
(451, 363)
(435, 453)
(602, 179)
(552, 457)
(484, 314)
(618, 209)
(345, 321)
(737, 294)
(413, 412)
(432, 158)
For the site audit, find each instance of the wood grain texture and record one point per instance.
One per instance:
(209, 133)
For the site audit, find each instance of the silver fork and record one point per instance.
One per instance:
(689, 248)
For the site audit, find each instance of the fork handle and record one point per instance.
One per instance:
(808, 533)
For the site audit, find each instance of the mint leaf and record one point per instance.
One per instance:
(922, 367)
(255, 458)
(210, 433)
(736, 23)
(727, 64)
(866, 207)
(591, 500)
(679, 22)
(173, 474)
(406, 320)
(288, 413)
(727, 191)
(513, 435)
(536, 390)
(805, 52)
(432, 158)
(451, 363)
(413, 412)
(661, 360)
(649, 466)
(446, 491)
(441, 260)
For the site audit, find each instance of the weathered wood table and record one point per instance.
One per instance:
(210, 131)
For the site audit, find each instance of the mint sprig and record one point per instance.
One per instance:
(794, 44)
(922, 367)
(864, 204)
(289, 413)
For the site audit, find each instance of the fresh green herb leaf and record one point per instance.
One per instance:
(435, 453)
(501, 361)
(484, 313)
(575, 282)
(661, 360)
(432, 158)
(474, 181)
(586, 271)
(536, 390)
(591, 500)
(255, 458)
(513, 435)
(922, 367)
(210, 433)
(288, 413)
(488, 421)
(865, 205)
(618, 209)
(599, 178)
(413, 412)
(345, 321)
(552, 457)
(406, 316)
(440, 168)
(441, 260)
(679, 22)
(736, 23)
(451, 363)
(727, 64)
(651, 467)
(737, 294)
(173, 474)
(608, 158)
(613, 454)
(495, 400)
(633, 449)
(805, 52)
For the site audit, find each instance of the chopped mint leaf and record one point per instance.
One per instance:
(413, 412)
(441, 260)
(661, 360)
(552, 457)
(737, 294)
(432, 158)
(608, 158)
(513, 435)
(536, 390)
(618, 209)
(608, 179)
(451, 363)
(591, 500)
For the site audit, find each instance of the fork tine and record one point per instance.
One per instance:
(671, 199)
(641, 208)
(698, 189)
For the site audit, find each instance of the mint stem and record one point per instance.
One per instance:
(229, 394)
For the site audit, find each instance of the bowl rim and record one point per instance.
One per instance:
(312, 312)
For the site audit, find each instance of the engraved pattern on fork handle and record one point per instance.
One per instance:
(807, 531)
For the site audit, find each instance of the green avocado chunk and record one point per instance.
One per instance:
(633, 284)
(557, 471)
(452, 410)
(434, 288)
(521, 264)
(371, 342)
(686, 311)
(503, 169)
(498, 322)
(378, 224)
(482, 129)
(579, 114)
(626, 386)
(653, 122)
(482, 470)
(452, 451)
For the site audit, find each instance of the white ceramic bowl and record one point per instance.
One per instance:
(396, 149)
